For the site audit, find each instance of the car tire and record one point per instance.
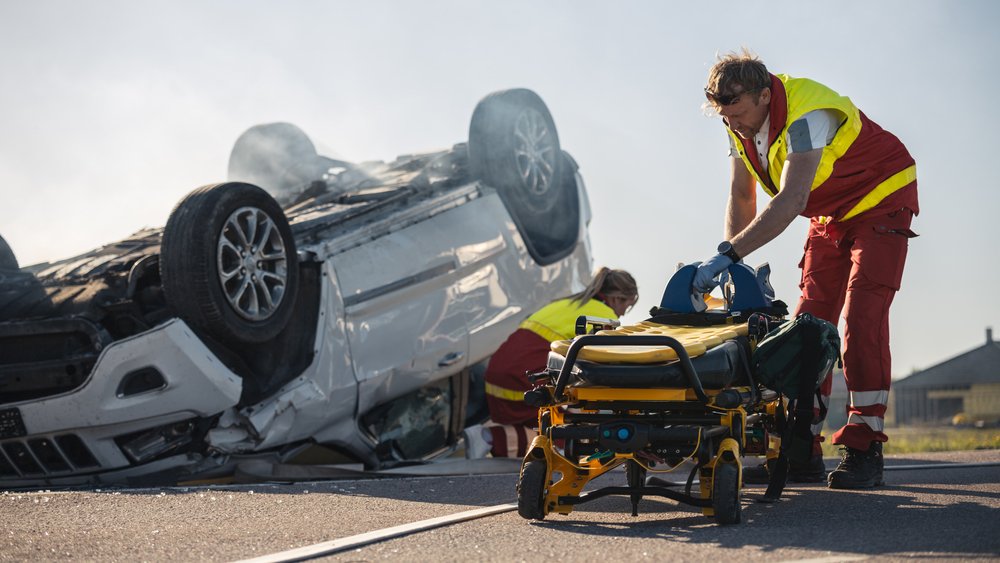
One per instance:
(228, 263)
(514, 148)
(7, 259)
(278, 157)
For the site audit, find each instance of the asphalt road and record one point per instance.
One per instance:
(947, 513)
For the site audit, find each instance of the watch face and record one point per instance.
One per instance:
(726, 249)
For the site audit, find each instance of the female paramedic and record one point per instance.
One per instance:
(610, 295)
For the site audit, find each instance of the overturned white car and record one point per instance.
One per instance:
(306, 301)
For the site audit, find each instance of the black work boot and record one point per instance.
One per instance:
(859, 469)
(813, 471)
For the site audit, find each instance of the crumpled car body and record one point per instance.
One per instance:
(305, 301)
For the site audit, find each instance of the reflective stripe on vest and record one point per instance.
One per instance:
(802, 96)
(898, 180)
(504, 393)
(557, 320)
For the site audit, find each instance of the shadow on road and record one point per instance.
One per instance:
(892, 520)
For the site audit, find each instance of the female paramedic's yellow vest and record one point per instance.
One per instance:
(859, 169)
(557, 320)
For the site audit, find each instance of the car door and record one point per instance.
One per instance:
(501, 283)
(404, 321)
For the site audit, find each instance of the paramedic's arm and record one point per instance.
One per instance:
(742, 205)
(796, 181)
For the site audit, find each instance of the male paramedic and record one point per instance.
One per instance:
(819, 156)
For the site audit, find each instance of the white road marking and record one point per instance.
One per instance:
(342, 544)
(939, 466)
(829, 559)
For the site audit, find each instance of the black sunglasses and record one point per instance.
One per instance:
(728, 99)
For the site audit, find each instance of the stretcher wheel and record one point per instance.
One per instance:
(726, 494)
(531, 490)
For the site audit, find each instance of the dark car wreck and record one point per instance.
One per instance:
(305, 301)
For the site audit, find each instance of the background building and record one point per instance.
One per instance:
(966, 386)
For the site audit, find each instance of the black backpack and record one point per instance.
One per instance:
(794, 359)
(798, 352)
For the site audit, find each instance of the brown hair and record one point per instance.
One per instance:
(743, 69)
(608, 281)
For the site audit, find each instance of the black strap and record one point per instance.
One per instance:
(779, 471)
(743, 344)
(822, 405)
(779, 476)
(797, 436)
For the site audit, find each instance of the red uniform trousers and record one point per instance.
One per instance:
(506, 374)
(856, 267)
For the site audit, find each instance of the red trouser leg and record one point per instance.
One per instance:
(825, 271)
(867, 363)
(876, 250)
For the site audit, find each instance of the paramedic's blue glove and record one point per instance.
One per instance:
(704, 277)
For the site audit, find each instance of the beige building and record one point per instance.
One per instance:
(965, 388)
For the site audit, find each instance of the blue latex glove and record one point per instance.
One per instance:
(704, 277)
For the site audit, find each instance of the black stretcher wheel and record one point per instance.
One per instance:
(726, 494)
(531, 490)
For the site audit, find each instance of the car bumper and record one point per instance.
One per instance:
(139, 404)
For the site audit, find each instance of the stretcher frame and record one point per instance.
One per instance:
(643, 429)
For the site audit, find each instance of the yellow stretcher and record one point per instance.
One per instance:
(647, 397)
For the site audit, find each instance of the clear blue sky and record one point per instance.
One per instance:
(111, 111)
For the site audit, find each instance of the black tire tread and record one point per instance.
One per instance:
(187, 262)
(7, 259)
(531, 490)
(726, 494)
(549, 225)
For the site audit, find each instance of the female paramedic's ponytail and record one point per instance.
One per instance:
(608, 281)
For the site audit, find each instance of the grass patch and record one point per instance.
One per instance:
(917, 439)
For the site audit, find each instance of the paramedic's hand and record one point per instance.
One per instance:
(704, 276)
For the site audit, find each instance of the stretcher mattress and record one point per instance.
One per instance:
(718, 368)
(696, 340)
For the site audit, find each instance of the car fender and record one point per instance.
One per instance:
(324, 394)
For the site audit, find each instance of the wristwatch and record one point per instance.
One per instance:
(726, 249)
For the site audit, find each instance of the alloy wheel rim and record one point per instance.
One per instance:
(534, 152)
(252, 263)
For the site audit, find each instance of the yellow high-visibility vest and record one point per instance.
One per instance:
(557, 320)
(803, 96)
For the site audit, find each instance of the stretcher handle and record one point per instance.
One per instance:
(644, 340)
